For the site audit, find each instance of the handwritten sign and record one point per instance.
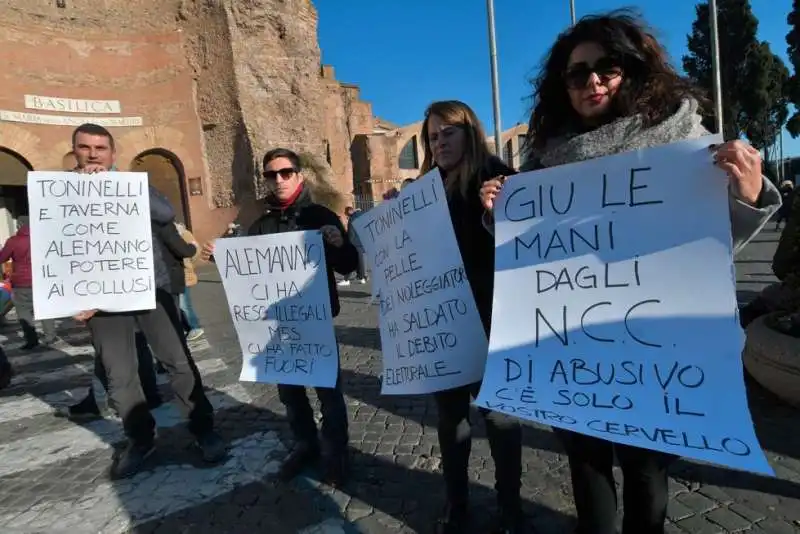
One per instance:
(431, 332)
(278, 295)
(91, 243)
(615, 306)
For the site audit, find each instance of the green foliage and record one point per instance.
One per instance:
(793, 50)
(754, 80)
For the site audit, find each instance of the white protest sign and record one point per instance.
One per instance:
(278, 295)
(431, 333)
(615, 305)
(91, 243)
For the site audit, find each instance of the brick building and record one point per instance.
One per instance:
(384, 158)
(194, 93)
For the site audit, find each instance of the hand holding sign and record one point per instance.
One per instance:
(92, 168)
(332, 236)
(84, 316)
(208, 251)
(489, 191)
(742, 162)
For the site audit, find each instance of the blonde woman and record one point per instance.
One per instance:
(454, 142)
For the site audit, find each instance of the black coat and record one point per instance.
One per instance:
(304, 214)
(474, 241)
(173, 251)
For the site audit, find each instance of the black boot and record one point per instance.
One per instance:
(6, 373)
(84, 410)
(454, 520)
(510, 522)
(337, 469)
(131, 460)
(302, 456)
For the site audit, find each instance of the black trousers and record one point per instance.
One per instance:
(361, 270)
(147, 370)
(645, 489)
(301, 417)
(113, 337)
(455, 440)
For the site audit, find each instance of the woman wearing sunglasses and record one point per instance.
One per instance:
(607, 87)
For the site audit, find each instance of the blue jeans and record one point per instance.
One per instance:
(185, 301)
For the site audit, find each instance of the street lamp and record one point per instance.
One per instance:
(498, 142)
(715, 66)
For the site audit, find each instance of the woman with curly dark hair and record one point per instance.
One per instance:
(607, 87)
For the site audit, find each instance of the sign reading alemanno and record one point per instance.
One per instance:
(70, 105)
(63, 120)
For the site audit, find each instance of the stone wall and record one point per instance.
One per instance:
(346, 118)
(243, 77)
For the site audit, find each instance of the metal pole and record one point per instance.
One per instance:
(715, 67)
(783, 170)
(572, 11)
(498, 141)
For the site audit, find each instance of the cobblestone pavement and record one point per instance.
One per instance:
(53, 472)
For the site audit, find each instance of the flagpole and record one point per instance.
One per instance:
(715, 66)
(572, 11)
(498, 141)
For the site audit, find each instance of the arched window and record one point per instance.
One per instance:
(408, 156)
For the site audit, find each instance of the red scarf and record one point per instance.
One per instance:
(284, 204)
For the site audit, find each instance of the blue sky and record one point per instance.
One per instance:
(405, 54)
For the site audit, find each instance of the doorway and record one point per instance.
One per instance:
(165, 173)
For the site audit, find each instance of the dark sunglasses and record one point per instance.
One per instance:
(578, 74)
(284, 173)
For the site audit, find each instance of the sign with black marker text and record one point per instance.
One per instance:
(615, 305)
(91, 243)
(278, 296)
(431, 334)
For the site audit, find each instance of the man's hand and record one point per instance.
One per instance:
(84, 316)
(207, 252)
(332, 235)
(92, 168)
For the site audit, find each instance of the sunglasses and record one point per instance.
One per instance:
(284, 173)
(577, 75)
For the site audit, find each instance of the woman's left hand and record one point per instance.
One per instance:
(742, 163)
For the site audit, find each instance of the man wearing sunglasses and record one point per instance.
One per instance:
(288, 207)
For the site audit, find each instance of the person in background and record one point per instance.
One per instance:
(190, 322)
(361, 272)
(393, 192)
(289, 207)
(607, 86)
(786, 189)
(18, 249)
(454, 142)
(6, 371)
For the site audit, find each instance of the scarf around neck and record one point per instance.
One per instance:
(623, 135)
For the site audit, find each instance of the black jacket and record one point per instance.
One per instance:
(173, 251)
(304, 214)
(474, 242)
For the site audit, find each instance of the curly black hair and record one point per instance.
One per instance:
(650, 86)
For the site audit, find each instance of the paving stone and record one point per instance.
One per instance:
(396, 483)
(728, 520)
(697, 502)
(677, 510)
(697, 524)
(751, 515)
